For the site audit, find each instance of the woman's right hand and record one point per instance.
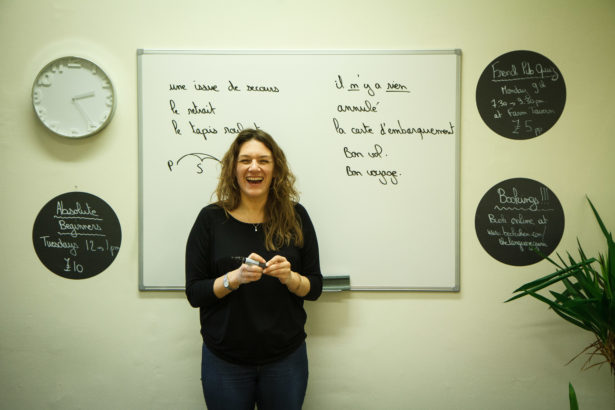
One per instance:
(247, 273)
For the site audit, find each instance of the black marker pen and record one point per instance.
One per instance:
(249, 261)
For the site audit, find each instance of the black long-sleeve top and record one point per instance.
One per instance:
(262, 321)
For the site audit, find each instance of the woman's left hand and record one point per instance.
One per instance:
(279, 267)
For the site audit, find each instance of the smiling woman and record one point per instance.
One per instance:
(252, 315)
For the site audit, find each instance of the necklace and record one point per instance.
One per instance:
(255, 227)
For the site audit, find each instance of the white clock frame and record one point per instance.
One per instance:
(73, 97)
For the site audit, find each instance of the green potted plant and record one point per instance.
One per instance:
(586, 301)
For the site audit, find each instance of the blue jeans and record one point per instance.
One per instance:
(276, 386)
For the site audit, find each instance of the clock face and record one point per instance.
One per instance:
(73, 97)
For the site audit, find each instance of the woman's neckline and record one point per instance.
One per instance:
(255, 225)
(249, 221)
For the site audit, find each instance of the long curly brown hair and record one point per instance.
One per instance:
(282, 226)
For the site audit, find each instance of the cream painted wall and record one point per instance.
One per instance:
(101, 344)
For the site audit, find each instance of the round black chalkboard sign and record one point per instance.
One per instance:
(517, 217)
(76, 235)
(521, 94)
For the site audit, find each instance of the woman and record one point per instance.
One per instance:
(252, 318)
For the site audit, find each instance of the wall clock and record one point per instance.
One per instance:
(73, 97)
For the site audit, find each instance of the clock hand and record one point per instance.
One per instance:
(81, 110)
(84, 95)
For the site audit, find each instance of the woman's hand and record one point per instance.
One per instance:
(242, 275)
(279, 267)
(247, 273)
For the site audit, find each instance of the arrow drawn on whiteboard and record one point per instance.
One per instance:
(198, 155)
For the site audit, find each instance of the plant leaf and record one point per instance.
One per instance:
(547, 280)
(572, 396)
(563, 312)
(606, 233)
(609, 271)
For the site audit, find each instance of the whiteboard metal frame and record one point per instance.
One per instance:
(336, 282)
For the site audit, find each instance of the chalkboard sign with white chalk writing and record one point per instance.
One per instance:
(515, 218)
(521, 94)
(77, 235)
(371, 136)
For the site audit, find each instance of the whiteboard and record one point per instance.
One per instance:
(372, 137)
